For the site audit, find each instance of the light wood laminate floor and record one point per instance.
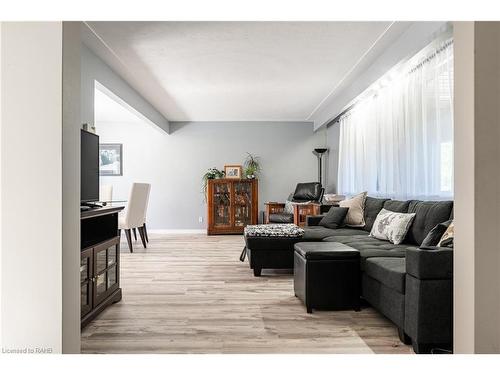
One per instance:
(191, 294)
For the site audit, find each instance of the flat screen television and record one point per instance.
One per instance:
(89, 179)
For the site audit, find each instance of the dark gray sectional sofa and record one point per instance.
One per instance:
(409, 285)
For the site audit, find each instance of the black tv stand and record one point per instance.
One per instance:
(100, 261)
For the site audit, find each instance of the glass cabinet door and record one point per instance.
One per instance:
(86, 282)
(106, 275)
(221, 204)
(242, 203)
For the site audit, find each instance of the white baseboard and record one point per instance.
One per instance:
(177, 231)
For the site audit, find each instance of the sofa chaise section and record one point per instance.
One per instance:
(399, 280)
(410, 286)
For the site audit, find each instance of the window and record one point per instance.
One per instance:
(397, 139)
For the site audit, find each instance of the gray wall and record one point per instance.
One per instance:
(174, 163)
(94, 69)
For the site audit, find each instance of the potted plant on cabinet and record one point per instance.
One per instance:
(211, 174)
(252, 166)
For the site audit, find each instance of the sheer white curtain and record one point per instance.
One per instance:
(397, 140)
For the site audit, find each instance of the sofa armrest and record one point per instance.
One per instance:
(313, 220)
(429, 298)
(430, 263)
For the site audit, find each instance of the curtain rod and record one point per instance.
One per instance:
(431, 56)
(337, 118)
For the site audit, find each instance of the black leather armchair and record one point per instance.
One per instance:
(304, 192)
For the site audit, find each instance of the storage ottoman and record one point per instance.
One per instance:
(327, 276)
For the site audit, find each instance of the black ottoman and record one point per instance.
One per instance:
(270, 246)
(326, 275)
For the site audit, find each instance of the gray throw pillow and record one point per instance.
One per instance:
(334, 218)
(435, 234)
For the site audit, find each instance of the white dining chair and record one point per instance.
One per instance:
(144, 224)
(134, 215)
(106, 193)
(145, 231)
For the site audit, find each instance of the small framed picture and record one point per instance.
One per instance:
(233, 171)
(110, 159)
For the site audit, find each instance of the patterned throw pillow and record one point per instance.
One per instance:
(447, 239)
(356, 214)
(391, 226)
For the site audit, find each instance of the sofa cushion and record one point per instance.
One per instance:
(281, 218)
(372, 208)
(389, 271)
(428, 215)
(347, 232)
(373, 253)
(317, 233)
(396, 206)
(370, 247)
(334, 217)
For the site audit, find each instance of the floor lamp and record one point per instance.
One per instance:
(319, 154)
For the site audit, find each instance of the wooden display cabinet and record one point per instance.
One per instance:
(232, 205)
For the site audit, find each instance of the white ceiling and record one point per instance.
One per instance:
(234, 71)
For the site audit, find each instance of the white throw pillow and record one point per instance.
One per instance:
(288, 207)
(391, 226)
(356, 214)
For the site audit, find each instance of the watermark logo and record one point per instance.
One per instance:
(28, 350)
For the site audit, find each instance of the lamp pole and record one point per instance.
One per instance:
(319, 153)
